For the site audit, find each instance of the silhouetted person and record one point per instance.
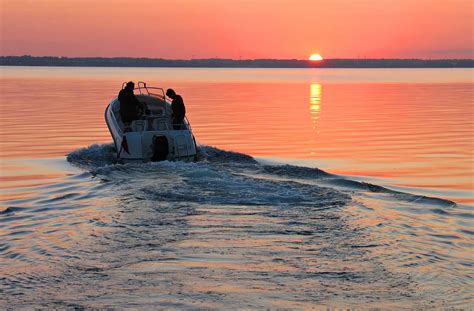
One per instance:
(129, 104)
(177, 105)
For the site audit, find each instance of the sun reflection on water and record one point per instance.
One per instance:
(315, 96)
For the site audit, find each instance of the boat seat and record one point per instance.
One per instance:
(138, 125)
(160, 125)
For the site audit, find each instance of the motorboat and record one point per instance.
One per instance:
(153, 137)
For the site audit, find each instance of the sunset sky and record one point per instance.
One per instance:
(184, 29)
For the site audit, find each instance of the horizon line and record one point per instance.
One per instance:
(240, 59)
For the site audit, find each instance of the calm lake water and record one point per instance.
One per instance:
(315, 188)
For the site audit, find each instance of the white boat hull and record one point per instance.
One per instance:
(152, 138)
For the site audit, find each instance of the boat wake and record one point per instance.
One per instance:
(224, 230)
(99, 158)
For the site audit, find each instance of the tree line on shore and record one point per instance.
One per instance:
(28, 60)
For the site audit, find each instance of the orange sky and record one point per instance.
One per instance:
(186, 29)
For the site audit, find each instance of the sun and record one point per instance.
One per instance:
(315, 57)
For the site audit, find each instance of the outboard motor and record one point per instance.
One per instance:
(160, 148)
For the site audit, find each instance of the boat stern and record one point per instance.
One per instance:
(157, 146)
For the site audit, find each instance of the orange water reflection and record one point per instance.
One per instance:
(409, 134)
(315, 96)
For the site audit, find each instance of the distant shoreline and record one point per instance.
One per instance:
(231, 63)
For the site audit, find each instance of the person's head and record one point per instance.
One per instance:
(170, 93)
(130, 85)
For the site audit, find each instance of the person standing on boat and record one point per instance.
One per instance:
(177, 105)
(129, 104)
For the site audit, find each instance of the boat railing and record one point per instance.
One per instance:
(143, 89)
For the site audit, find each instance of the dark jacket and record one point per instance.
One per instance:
(129, 105)
(177, 105)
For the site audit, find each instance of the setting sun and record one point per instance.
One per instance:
(315, 57)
